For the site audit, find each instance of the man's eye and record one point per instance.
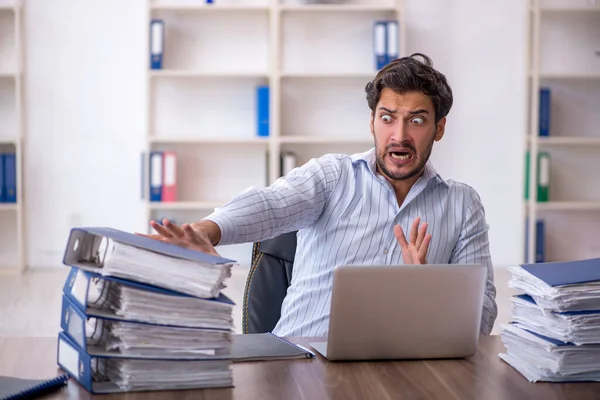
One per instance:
(386, 118)
(417, 121)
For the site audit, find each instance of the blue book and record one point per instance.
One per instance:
(262, 110)
(544, 117)
(380, 44)
(567, 272)
(2, 182)
(157, 43)
(540, 241)
(10, 178)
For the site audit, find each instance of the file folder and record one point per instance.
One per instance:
(391, 41)
(2, 183)
(380, 44)
(90, 292)
(97, 374)
(10, 177)
(262, 111)
(157, 40)
(567, 272)
(544, 117)
(169, 187)
(156, 175)
(543, 184)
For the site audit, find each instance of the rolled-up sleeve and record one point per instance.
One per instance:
(473, 247)
(290, 203)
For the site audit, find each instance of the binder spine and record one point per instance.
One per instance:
(156, 175)
(379, 44)
(262, 110)
(543, 184)
(169, 189)
(2, 180)
(73, 322)
(157, 34)
(391, 41)
(10, 177)
(540, 241)
(74, 361)
(544, 117)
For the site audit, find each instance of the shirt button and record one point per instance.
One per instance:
(385, 251)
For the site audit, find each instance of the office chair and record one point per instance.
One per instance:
(266, 286)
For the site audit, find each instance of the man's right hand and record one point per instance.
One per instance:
(198, 238)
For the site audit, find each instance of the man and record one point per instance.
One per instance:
(359, 209)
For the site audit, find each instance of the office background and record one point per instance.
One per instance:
(85, 91)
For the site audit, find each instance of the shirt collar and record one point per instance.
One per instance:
(368, 157)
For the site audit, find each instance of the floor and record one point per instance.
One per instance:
(30, 304)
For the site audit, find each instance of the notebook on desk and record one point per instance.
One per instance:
(18, 388)
(264, 347)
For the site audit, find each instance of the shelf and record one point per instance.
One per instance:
(330, 75)
(8, 140)
(191, 140)
(9, 206)
(569, 10)
(8, 75)
(200, 74)
(325, 139)
(569, 205)
(337, 7)
(209, 7)
(185, 205)
(569, 141)
(570, 76)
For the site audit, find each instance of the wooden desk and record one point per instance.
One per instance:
(483, 376)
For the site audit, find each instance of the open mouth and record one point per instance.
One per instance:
(401, 155)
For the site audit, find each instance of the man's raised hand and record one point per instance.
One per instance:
(415, 251)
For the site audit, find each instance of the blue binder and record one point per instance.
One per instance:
(157, 42)
(156, 175)
(84, 243)
(262, 110)
(2, 184)
(544, 117)
(82, 366)
(540, 241)
(10, 177)
(391, 38)
(88, 291)
(380, 44)
(566, 273)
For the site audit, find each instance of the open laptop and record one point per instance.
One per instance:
(404, 312)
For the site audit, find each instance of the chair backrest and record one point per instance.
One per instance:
(266, 287)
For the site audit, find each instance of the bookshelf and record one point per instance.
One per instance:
(316, 60)
(12, 134)
(564, 57)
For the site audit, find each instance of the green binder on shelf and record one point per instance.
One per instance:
(543, 181)
(527, 171)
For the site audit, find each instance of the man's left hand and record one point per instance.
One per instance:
(415, 251)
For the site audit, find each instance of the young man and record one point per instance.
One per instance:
(358, 209)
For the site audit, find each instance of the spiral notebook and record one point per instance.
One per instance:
(12, 388)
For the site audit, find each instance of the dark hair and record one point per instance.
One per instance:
(410, 74)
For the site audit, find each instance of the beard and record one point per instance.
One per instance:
(418, 166)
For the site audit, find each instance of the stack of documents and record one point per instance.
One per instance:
(554, 334)
(139, 314)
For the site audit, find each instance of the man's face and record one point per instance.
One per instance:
(404, 129)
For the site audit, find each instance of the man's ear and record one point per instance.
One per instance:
(440, 129)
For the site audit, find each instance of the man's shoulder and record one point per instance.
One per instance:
(344, 161)
(460, 190)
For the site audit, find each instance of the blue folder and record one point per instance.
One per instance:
(566, 273)
(10, 177)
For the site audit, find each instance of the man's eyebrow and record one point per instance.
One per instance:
(388, 110)
(420, 111)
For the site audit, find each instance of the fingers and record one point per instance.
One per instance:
(421, 235)
(414, 230)
(190, 234)
(174, 229)
(162, 231)
(400, 237)
(423, 249)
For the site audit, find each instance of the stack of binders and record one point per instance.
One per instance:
(554, 334)
(140, 315)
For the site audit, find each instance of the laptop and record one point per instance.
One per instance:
(404, 312)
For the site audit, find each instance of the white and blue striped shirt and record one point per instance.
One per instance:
(345, 213)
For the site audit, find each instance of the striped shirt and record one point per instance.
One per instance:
(345, 212)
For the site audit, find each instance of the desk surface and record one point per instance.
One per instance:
(483, 376)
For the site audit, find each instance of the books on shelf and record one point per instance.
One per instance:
(554, 333)
(163, 176)
(139, 314)
(385, 42)
(8, 177)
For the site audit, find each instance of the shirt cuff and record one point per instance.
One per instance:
(225, 225)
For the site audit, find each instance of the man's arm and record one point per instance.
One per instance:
(291, 203)
(473, 247)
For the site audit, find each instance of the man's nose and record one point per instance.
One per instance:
(400, 133)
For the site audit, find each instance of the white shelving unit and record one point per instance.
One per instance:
(316, 60)
(564, 56)
(12, 132)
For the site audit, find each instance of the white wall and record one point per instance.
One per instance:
(480, 47)
(86, 90)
